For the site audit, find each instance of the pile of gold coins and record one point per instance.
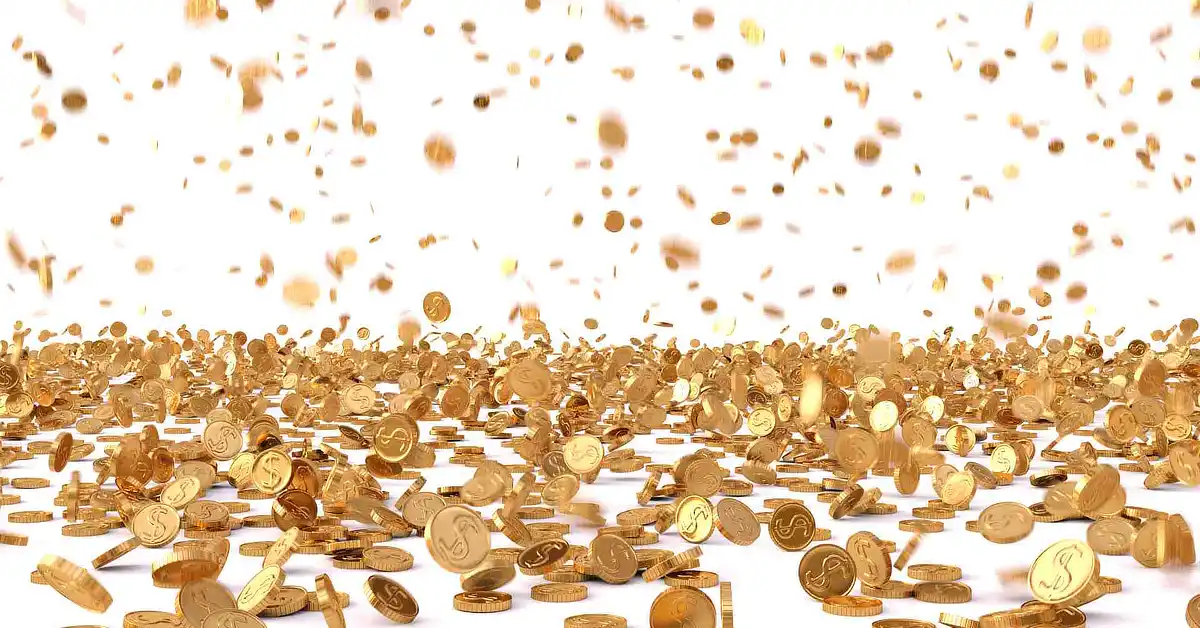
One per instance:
(799, 415)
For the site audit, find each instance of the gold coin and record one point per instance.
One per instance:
(883, 416)
(253, 597)
(421, 507)
(156, 525)
(558, 592)
(530, 380)
(1149, 545)
(61, 452)
(457, 539)
(358, 399)
(116, 552)
(390, 599)
(901, 623)
(382, 558)
(272, 471)
(595, 620)
(826, 570)
(180, 492)
(231, 617)
(482, 602)
(891, 590)
(692, 578)
(395, 436)
(199, 598)
(151, 619)
(872, 564)
(1097, 39)
(584, 453)
(694, 518)
(856, 449)
(942, 592)
(1192, 614)
(1062, 571)
(682, 606)
(934, 573)
(288, 600)
(736, 522)
(846, 501)
(851, 606)
(1111, 537)
(436, 307)
(1005, 522)
(543, 556)
(490, 575)
(281, 550)
(439, 152)
(222, 440)
(792, 527)
(330, 605)
(612, 133)
(613, 559)
(74, 583)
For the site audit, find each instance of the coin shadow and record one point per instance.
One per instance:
(113, 569)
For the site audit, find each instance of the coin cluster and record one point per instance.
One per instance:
(276, 421)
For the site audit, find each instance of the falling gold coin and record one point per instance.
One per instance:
(74, 100)
(752, 32)
(613, 135)
(439, 152)
(1097, 39)
(867, 151)
(436, 307)
(301, 292)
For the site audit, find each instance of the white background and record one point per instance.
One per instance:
(56, 198)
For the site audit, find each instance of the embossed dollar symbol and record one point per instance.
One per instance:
(998, 522)
(540, 555)
(1062, 575)
(693, 523)
(160, 529)
(461, 547)
(797, 524)
(868, 565)
(682, 614)
(391, 595)
(828, 566)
